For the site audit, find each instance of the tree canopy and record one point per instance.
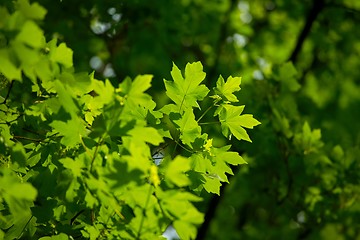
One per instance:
(77, 109)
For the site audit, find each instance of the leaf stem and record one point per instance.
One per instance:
(177, 143)
(96, 151)
(86, 149)
(202, 115)
(208, 123)
(144, 211)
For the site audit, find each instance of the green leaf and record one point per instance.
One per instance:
(7, 67)
(18, 155)
(72, 131)
(231, 119)
(26, 55)
(105, 91)
(185, 92)
(80, 83)
(176, 171)
(307, 140)
(20, 223)
(140, 84)
(61, 236)
(31, 35)
(200, 162)
(226, 89)
(18, 195)
(132, 95)
(32, 11)
(212, 184)
(75, 166)
(185, 230)
(65, 98)
(63, 55)
(189, 128)
(44, 72)
(146, 134)
(287, 74)
(232, 158)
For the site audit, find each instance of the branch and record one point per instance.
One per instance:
(290, 181)
(210, 214)
(29, 139)
(8, 93)
(348, 9)
(317, 7)
(211, 209)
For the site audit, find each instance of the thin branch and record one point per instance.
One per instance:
(144, 212)
(317, 7)
(183, 147)
(29, 139)
(209, 123)
(213, 205)
(202, 115)
(290, 181)
(72, 220)
(27, 223)
(95, 153)
(341, 6)
(8, 93)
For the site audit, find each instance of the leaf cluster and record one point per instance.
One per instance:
(78, 155)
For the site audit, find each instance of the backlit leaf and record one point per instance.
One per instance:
(31, 35)
(62, 54)
(176, 171)
(185, 92)
(189, 128)
(7, 67)
(226, 89)
(231, 119)
(33, 11)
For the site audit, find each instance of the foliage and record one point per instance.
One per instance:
(299, 62)
(78, 155)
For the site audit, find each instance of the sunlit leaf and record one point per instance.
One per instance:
(185, 92)
(226, 89)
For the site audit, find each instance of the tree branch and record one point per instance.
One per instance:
(8, 93)
(211, 209)
(317, 7)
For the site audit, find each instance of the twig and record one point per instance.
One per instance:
(8, 93)
(202, 115)
(318, 6)
(29, 139)
(144, 212)
(76, 215)
(95, 153)
(213, 205)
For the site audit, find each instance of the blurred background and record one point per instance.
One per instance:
(300, 68)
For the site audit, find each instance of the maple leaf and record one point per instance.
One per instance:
(185, 92)
(226, 89)
(188, 127)
(232, 120)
